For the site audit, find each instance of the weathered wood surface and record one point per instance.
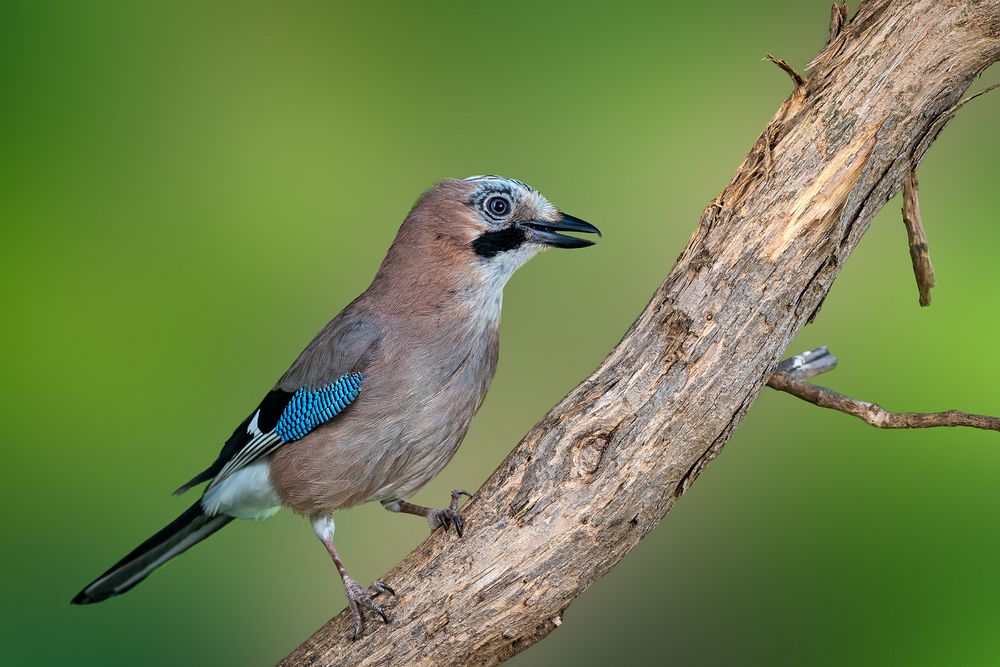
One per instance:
(609, 461)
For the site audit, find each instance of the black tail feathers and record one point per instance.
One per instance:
(177, 537)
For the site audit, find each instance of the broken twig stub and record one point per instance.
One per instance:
(789, 70)
(838, 19)
(923, 270)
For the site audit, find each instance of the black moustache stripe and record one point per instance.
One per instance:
(493, 243)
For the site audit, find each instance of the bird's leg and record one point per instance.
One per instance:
(356, 595)
(435, 517)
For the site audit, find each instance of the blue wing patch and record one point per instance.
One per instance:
(302, 412)
(310, 408)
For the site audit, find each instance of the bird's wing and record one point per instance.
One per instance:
(323, 381)
(302, 412)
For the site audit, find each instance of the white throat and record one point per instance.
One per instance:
(493, 274)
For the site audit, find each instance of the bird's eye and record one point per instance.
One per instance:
(497, 206)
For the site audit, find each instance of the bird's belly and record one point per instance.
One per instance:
(403, 429)
(245, 494)
(410, 467)
(367, 457)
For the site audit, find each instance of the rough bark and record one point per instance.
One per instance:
(609, 461)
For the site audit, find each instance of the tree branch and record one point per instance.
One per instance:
(791, 374)
(610, 460)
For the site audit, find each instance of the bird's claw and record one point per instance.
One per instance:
(449, 516)
(455, 495)
(446, 518)
(380, 586)
(358, 596)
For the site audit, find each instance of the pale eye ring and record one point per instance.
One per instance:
(497, 206)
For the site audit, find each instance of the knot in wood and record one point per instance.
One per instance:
(589, 453)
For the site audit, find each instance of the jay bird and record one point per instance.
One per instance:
(379, 401)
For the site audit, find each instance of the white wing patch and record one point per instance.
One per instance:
(253, 429)
(261, 444)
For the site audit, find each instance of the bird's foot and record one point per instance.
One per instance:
(358, 597)
(448, 517)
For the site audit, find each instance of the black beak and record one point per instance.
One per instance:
(544, 231)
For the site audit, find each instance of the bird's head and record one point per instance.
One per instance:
(507, 216)
(479, 229)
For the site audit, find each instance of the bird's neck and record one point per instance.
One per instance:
(432, 271)
(439, 288)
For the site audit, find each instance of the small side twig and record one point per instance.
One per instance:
(965, 100)
(923, 270)
(939, 123)
(790, 377)
(789, 70)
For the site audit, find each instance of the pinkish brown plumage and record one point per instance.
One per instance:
(425, 337)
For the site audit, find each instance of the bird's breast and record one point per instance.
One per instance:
(418, 400)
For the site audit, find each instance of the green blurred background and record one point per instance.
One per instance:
(190, 190)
